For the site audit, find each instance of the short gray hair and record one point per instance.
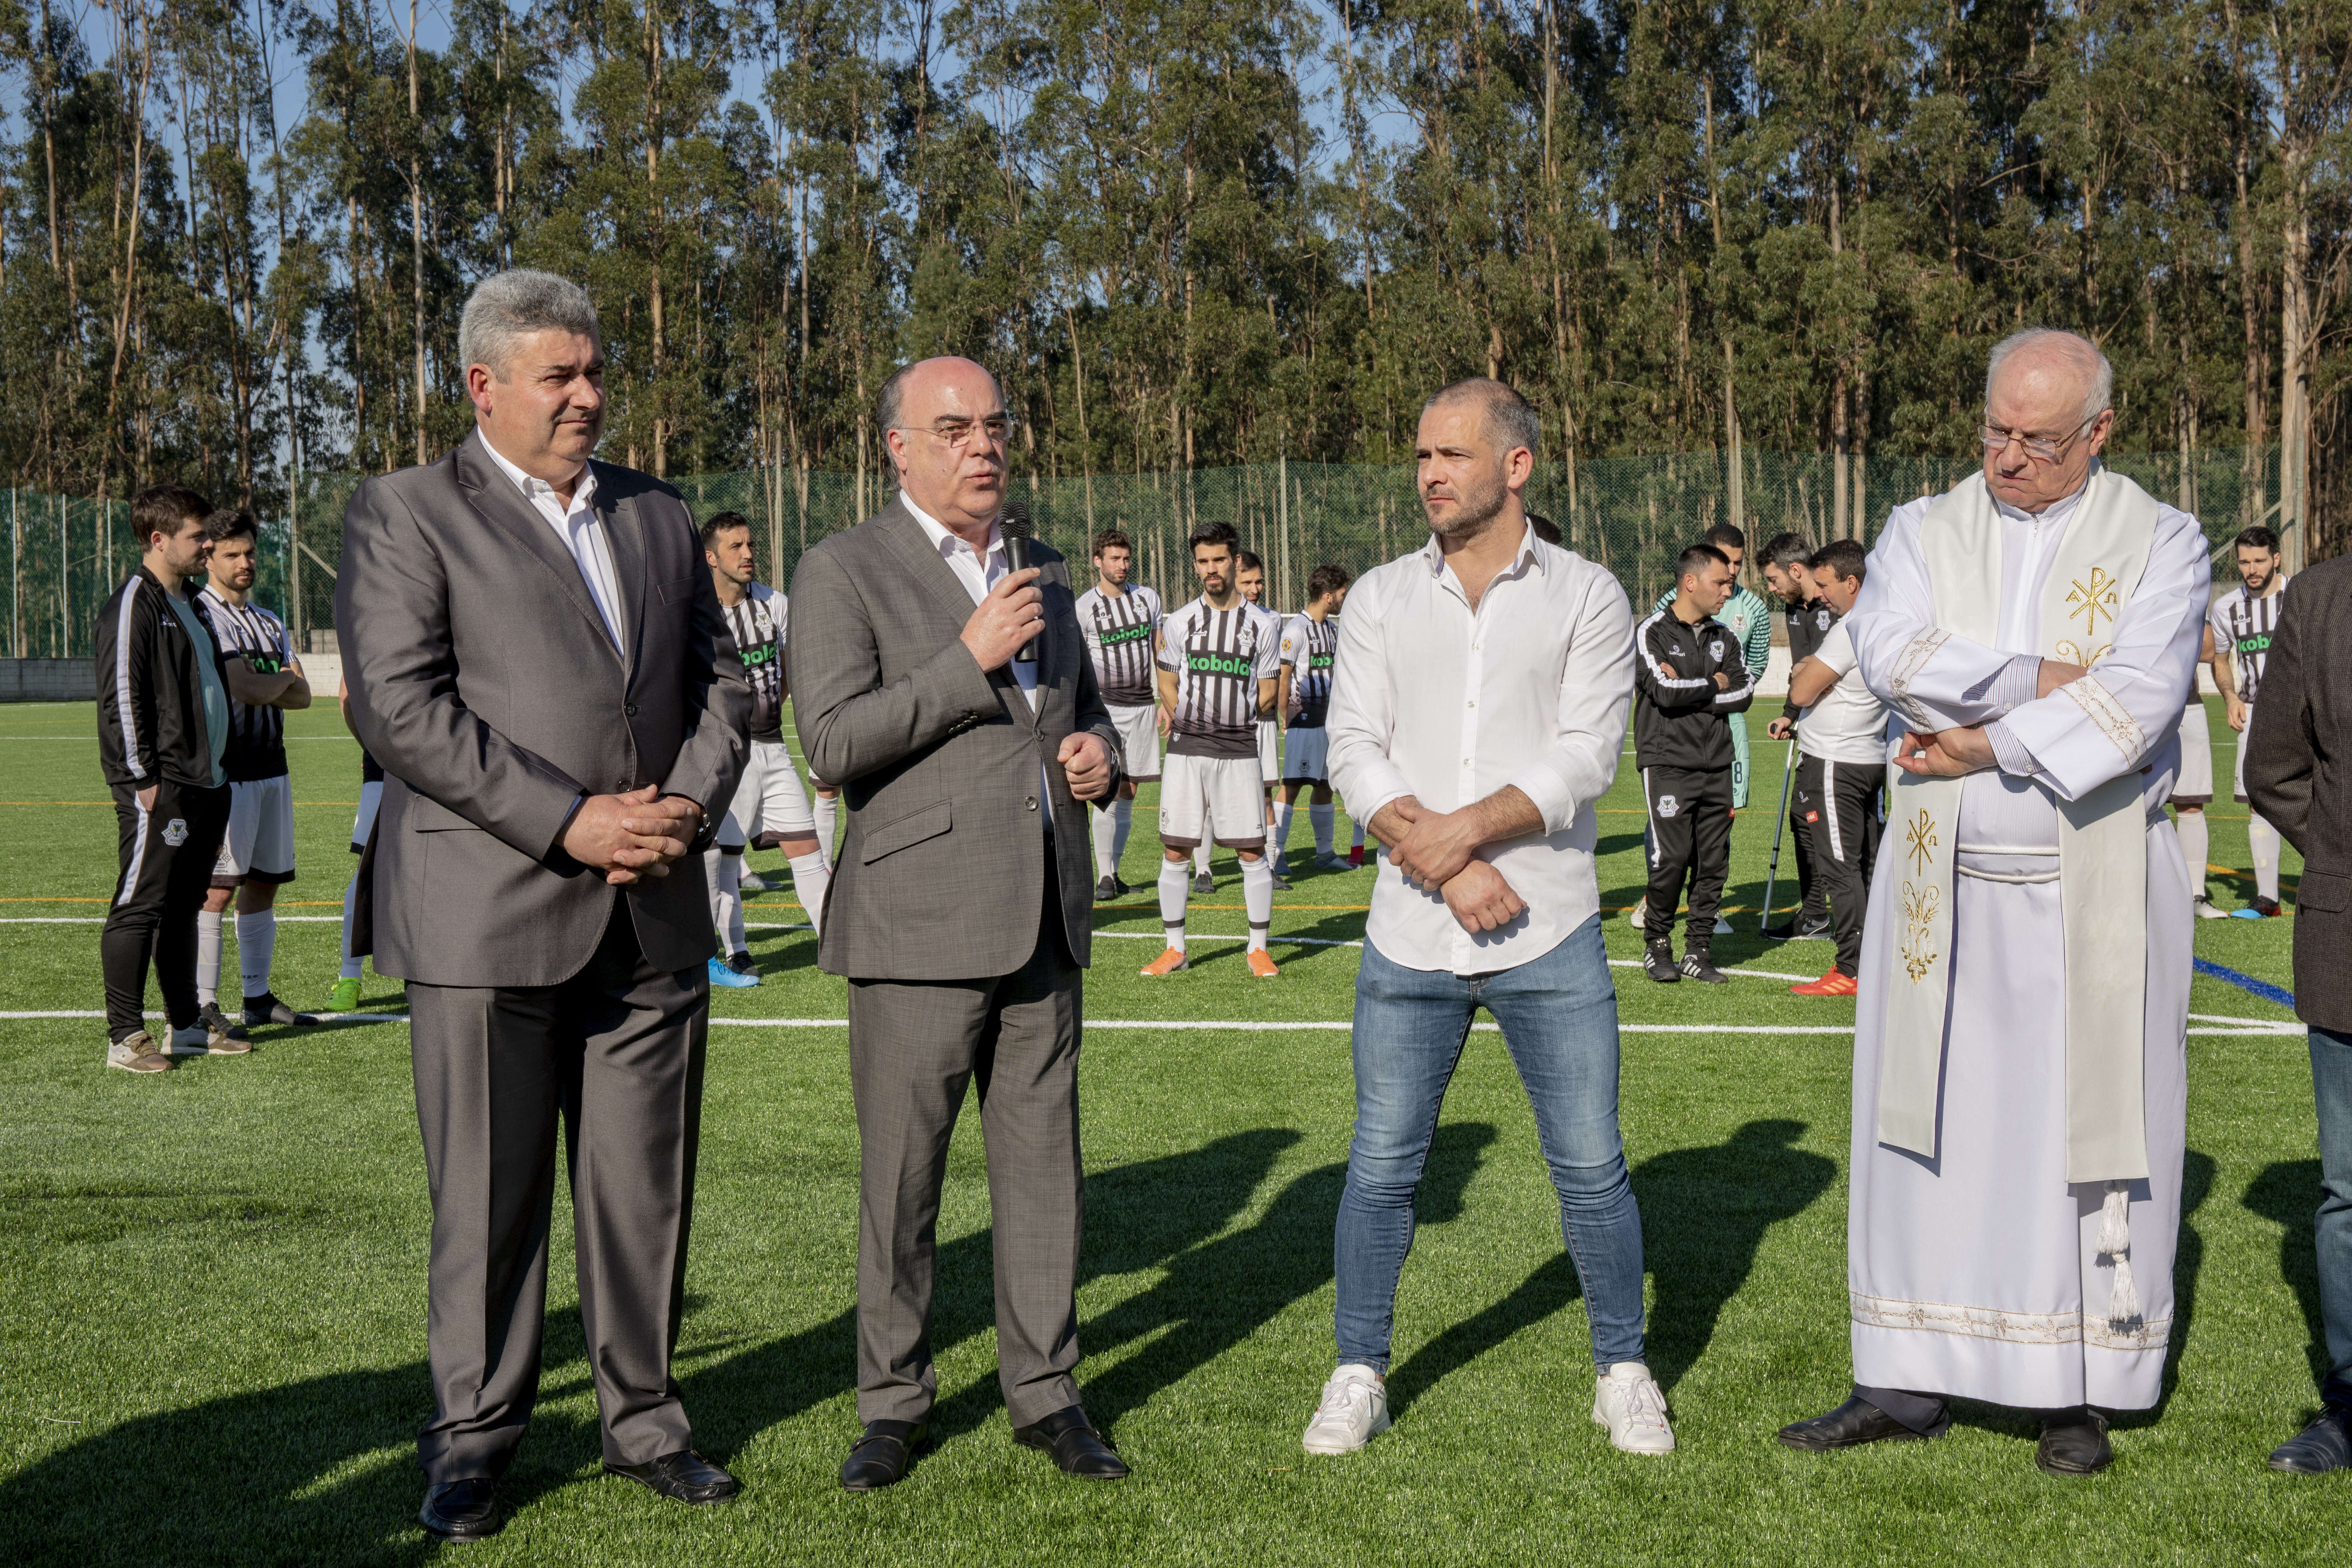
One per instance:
(505, 305)
(1511, 420)
(2077, 350)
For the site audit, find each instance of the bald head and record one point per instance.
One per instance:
(2046, 416)
(945, 423)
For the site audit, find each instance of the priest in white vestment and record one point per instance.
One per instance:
(2020, 1081)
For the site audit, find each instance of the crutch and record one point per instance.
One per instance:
(1788, 766)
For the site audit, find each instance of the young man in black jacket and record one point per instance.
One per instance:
(1689, 678)
(163, 734)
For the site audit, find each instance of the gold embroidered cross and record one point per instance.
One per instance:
(2091, 601)
(1920, 842)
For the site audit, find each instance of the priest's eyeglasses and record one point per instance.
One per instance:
(959, 433)
(2040, 448)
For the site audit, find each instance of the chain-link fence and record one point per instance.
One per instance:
(1632, 514)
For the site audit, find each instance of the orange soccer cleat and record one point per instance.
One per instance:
(1830, 984)
(1168, 963)
(1261, 965)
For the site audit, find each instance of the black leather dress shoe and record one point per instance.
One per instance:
(2325, 1445)
(461, 1510)
(2073, 1443)
(1850, 1426)
(683, 1476)
(880, 1458)
(1076, 1445)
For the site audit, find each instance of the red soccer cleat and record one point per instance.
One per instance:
(1830, 984)
(1355, 855)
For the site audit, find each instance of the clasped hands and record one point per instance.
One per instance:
(1954, 753)
(1438, 849)
(632, 837)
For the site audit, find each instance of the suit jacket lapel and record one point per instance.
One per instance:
(495, 497)
(936, 577)
(624, 534)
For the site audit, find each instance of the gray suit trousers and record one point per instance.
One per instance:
(914, 1046)
(616, 1052)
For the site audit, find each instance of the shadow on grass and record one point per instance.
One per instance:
(2287, 1194)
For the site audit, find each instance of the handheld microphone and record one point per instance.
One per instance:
(1012, 523)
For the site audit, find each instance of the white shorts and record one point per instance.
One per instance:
(1202, 798)
(259, 844)
(363, 820)
(769, 804)
(2194, 787)
(1138, 742)
(1269, 753)
(1306, 753)
(2246, 736)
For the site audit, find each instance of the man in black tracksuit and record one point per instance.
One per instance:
(163, 731)
(1788, 572)
(1689, 678)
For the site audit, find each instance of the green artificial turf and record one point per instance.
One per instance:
(212, 1283)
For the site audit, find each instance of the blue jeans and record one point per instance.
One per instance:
(2331, 1085)
(1559, 1016)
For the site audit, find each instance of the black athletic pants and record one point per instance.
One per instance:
(1837, 804)
(1690, 835)
(167, 854)
(1811, 898)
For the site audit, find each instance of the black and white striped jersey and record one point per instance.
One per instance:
(257, 736)
(757, 624)
(1219, 657)
(2244, 626)
(1308, 647)
(1118, 632)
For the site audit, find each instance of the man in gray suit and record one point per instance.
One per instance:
(536, 656)
(951, 698)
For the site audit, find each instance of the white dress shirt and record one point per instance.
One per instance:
(978, 574)
(1449, 705)
(582, 532)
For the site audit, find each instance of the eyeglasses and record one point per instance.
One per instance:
(958, 433)
(2040, 448)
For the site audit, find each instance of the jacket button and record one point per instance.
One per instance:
(1028, 803)
(630, 709)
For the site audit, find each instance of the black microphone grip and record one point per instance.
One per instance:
(1016, 554)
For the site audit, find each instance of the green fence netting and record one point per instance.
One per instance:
(1633, 515)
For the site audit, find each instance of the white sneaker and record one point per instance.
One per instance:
(1634, 916)
(1630, 1404)
(2205, 910)
(1354, 1411)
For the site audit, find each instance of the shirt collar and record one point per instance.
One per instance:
(1434, 557)
(2059, 509)
(532, 488)
(948, 543)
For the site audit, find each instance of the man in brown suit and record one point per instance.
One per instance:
(2299, 777)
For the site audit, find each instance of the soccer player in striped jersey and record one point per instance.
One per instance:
(1120, 623)
(1308, 645)
(1250, 578)
(257, 853)
(2245, 620)
(769, 809)
(1217, 675)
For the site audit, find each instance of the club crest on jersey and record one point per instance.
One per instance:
(176, 832)
(1667, 805)
(1715, 649)
(1820, 620)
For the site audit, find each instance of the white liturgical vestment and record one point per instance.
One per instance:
(1975, 1266)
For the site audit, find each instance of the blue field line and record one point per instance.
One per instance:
(2261, 988)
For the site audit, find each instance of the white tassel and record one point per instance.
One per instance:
(2115, 1243)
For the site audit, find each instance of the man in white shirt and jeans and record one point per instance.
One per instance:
(1477, 711)
(1842, 766)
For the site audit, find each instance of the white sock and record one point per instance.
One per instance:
(1106, 843)
(257, 940)
(825, 807)
(1358, 841)
(725, 872)
(1283, 816)
(1175, 886)
(1257, 899)
(1123, 815)
(2266, 856)
(1201, 860)
(811, 877)
(2189, 826)
(208, 954)
(352, 960)
(1320, 815)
